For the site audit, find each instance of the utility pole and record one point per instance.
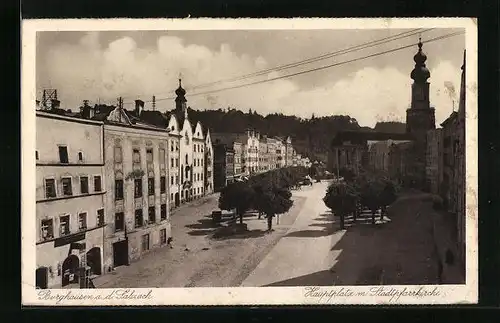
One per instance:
(154, 103)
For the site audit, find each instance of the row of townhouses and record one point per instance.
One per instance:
(107, 179)
(445, 167)
(239, 155)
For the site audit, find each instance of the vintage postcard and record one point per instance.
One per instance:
(249, 161)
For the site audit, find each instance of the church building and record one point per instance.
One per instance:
(350, 149)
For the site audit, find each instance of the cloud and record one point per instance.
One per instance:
(88, 71)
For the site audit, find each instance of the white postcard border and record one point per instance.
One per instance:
(442, 294)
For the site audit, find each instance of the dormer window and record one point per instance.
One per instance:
(187, 139)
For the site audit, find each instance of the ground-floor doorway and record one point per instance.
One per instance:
(177, 200)
(94, 261)
(70, 270)
(120, 253)
(42, 277)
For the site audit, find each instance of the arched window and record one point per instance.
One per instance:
(186, 159)
(80, 156)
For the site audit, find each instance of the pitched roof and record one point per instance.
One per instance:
(102, 112)
(155, 118)
(452, 117)
(362, 136)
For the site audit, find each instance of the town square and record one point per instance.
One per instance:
(192, 159)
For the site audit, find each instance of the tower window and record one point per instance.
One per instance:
(80, 156)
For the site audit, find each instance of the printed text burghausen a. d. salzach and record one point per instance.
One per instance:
(71, 295)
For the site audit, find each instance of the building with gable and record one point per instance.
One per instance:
(136, 168)
(192, 170)
(190, 148)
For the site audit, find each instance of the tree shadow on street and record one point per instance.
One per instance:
(387, 253)
(392, 253)
(242, 235)
(222, 230)
(326, 221)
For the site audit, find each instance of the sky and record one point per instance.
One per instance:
(102, 66)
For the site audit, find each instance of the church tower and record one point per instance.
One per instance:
(180, 100)
(420, 116)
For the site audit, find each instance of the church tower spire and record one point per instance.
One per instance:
(180, 100)
(420, 117)
(420, 74)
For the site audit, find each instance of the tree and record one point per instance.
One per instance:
(341, 199)
(387, 196)
(272, 200)
(239, 196)
(348, 174)
(370, 193)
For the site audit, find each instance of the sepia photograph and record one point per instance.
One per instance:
(234, 158)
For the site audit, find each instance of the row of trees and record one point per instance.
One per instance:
(268, 193)
(372, 191)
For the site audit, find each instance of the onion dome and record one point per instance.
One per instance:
(420, 73)
(180, 91)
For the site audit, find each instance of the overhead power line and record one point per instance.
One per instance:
(318, 68)
(362, 46)
(322, 57)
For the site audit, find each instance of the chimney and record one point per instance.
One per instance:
(139, 106)
(86, 110)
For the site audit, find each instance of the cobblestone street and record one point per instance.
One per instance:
(197, 260)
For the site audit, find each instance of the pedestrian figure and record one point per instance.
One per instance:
(169, 242)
